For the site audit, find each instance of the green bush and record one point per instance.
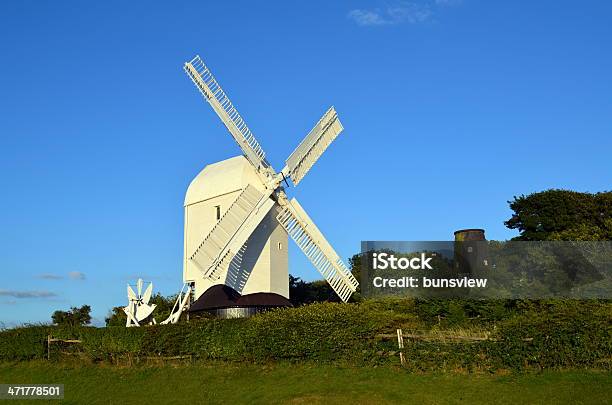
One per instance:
(24, 343)
(464, 311)
(325, 331)
(558, 334)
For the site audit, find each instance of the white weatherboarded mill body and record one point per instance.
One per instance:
(263, 265)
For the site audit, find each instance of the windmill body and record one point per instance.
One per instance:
(262, 265)
(238, 219)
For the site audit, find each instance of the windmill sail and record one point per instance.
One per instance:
(131, 294)
(144, 310)
(214, 94)
(314, 245)
(216, 251)
(138, 307)
(218, 256)
(313, 146)
(146, 297)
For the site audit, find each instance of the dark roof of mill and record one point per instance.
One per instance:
(222, 296)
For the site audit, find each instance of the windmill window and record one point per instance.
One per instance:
(280, 246)
(218, 211)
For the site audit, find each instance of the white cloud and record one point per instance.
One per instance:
(49, 276)
(27, 294)
(401, 13)
(448, 2)
(73, 275)
(366, 17)
(76, 275)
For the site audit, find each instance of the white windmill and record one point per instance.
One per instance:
(138, 308)
(237, 215)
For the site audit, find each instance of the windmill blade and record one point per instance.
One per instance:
(131, 294)
(314, 245)
(231, 232)
(313, 146)
(216, 97)
(143, 311)
(139, 285)
(147, 294)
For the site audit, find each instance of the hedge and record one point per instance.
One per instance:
(563, 334)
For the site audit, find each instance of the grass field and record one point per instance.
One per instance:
(286, 383)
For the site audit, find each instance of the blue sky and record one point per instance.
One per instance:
(450, 108)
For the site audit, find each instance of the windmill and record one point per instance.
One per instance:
(238, 216)
(138, 308)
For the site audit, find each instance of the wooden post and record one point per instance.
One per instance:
(400, 345)
(400, 339)
(48, 347)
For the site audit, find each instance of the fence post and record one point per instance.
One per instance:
(400, 345)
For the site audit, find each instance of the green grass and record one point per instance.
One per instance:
(306, 383)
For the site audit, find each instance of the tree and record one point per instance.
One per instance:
(116, 317)
(562, 215)
(74, 317)
(355, 265)
(306, 292)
